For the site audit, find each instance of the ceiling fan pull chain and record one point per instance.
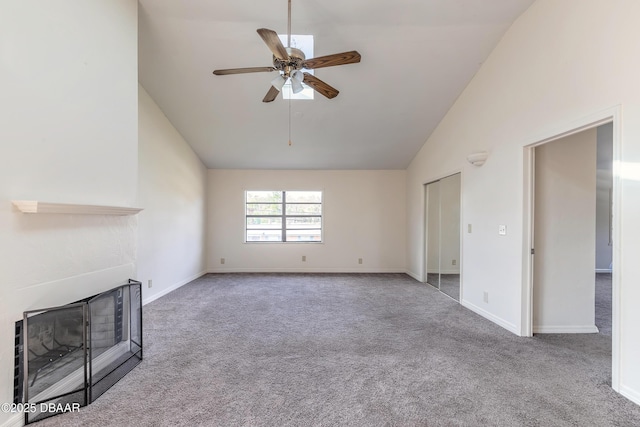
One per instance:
(289, 27)
(289, 120)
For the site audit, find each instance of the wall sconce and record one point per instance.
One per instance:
(478, 159)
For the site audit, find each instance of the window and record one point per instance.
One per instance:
(283, 216)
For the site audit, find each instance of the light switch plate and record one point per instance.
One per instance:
(502, 230)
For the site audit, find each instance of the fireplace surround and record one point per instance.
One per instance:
(68, 356)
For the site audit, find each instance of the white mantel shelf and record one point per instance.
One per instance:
(37, 207)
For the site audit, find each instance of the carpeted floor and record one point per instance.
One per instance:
(349, 350)
(450, 285)
(603, 303)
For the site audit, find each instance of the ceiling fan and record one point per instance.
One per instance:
(290, 62)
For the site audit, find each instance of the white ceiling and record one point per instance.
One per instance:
(417, 57)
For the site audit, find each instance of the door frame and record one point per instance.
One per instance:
(610, 115)
(425, 236)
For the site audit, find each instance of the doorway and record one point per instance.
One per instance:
(565, 234)
(531, 248)
(442, 235)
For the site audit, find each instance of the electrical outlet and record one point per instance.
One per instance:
(486, 297)
(149, 283)
(359, 260)
(304, 258)
(222, 260)
(454, 262)
(502, 230)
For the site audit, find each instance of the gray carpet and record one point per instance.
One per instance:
(450, 285)
(349, 350)
(603, 303)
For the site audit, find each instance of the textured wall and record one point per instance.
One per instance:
(68, 132)
(364, 217)
(560, 62)
(172, 191)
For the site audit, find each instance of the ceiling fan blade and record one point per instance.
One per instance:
(271, 95)
(243, 70)
(351, 57)
(321, 87)
(272, 40)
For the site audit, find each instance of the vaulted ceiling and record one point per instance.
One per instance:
(417, 57)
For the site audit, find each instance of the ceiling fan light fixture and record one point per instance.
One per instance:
(279, 82)
(296, 86)
(289, 61)
(296, 82)
(298, 75)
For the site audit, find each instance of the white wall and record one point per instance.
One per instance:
(565, 235)
(603, 197)
(560, 62)
(172, 190)
(364, 217)
(68, 133)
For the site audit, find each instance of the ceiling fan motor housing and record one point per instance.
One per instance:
(295, 61)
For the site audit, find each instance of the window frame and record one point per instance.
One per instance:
(283, 216)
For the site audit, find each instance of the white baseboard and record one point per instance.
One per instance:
(603, 270)
(584, 329)
(495, 319)
(307, 270)
(416, 276)
(171, 288)
(631, 394)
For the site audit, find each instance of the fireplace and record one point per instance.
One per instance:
(68, 356)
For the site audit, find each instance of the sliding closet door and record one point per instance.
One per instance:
(442, 247)
(433, 233)
(450, 236)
